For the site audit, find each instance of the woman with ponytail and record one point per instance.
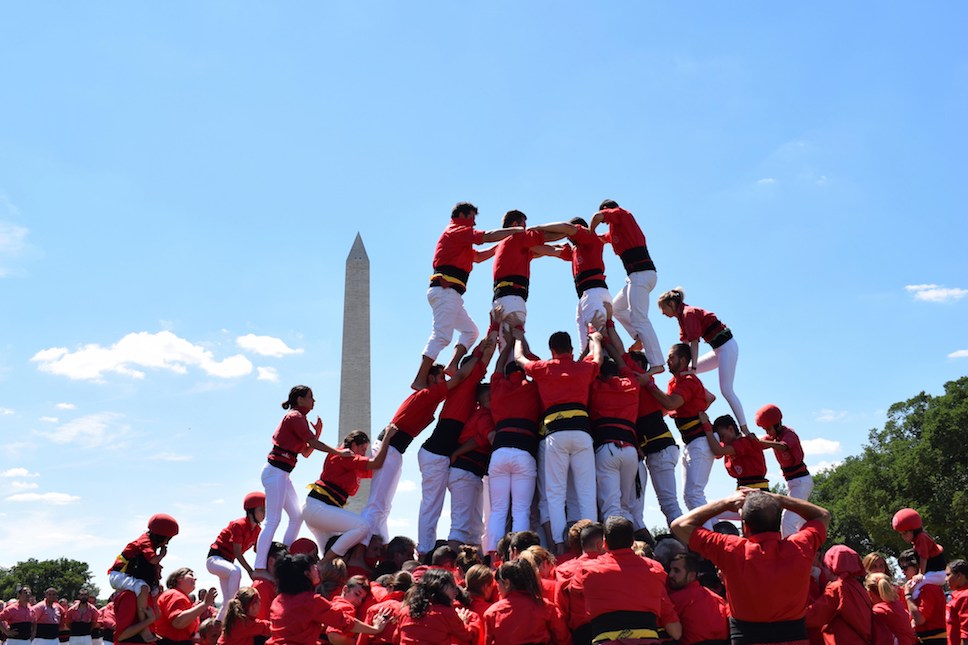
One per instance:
(241, 625)
(522, 615)
(889, 609)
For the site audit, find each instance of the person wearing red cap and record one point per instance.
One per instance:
(232, 542)
(908, 523)
(844, 610)
(789, 454)
(631, 305)
(138, 567)
(292, 438)
(324, 512)
(696, 323)
(454, 257)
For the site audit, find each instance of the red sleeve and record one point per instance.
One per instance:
(667, 614)
(476, 237)
(690, 325)
(709, 544)
(824, 608)
(567, 252)
(534, 238)
(556, 625)
(812, 534)
(323, 612)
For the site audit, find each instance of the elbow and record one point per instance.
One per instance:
(674, 630)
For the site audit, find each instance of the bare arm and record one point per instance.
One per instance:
(555, 231)
(184, 618)
(505, 355)
(545, 249)
(595, 346)
(237, 550)
(767, 443)
(499, 234)
(381, 455)
(685, 525)
(674, 630)
(717, 448)
(485, 254)
(673, 402)
(519, 352)
(483, 352)
(150, 617)
(596, 220)
(694, 348)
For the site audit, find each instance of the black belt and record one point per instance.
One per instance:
(107, 634)
(401, 441)
(721, 338)
(744, 632)
(80, 629)
(21, 630)
(46, 630)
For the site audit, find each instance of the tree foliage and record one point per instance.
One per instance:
(919, 460)
(63, 574)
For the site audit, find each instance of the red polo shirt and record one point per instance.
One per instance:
(142, 546)
(602, 577)
(613, 406)
(292, 436)
(439, 624)
(267, 593)
(767, 576)
(623, 230)
(895, 616)
(391, 602)
(702, 613)
(513, 256)
(518, 618)
(298, 619)
(170, 602)
(926, 547)
(237, 532)
(455, 248)
(791, 459)
(345, 472)
(244, 631)
(345, 607)
(931, 604)
(417, 411)
(958, 617)
(514, 397)
(748, 463)
(843, 612)
(569, 598)
(562, 379)
(693, 393)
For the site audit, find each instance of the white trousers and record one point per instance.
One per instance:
(697, 464)
(46, 641)
(229, 576)
(383, 487)
(121, 581)
(662, 472)
(591, 311)
(512, 474)
(325, 521)
(631, 309)
(466, 506)
(434, 471)
(78, 640)
(615, 470)
(280, 496)
(569, 451)
(449, 315)
(724, 358)
(801, 487)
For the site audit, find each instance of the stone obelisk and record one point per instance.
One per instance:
(354, 389)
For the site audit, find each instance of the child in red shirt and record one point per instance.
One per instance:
(235, 539)
(242, 624)
(908, 523)
(958, 607)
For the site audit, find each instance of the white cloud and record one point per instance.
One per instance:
(935, 292)
(43, 498)
(170, 456)
(406, 486)
(18, 472)
(820, 446)
(827, 415)
(89, 431)
(961, 353)
(163, 350)
(265, 346)
(824, 465)
(268, 374)
(24, 485)
(66, 406)
(766, 181)
(6, 412)
(49, 419)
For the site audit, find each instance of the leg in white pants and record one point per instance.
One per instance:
(662, 471)
(724, 358)
(326, 521)
(466, 507)
(591, 311)
(615, 469)
(569, 450)
(801, 487)
(280, 495)
(434, 471)
(78, 640)
(631, 309)
(449, 314)
(229, 577)
(382, 489)
(697, 463)
(511, 484)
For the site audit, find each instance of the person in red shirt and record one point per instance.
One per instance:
(957, 578)
(767, 576)
(428, 617)
(298, 614)
(931, 556)
(293, 437)
(350, 600)
(468, 465)
(454, 257)
(843, 611)
(701, 612)
(242, 625)
(696, 323)
(232, 542)
(412, 417)
(390, 606)
(522, 615)
(789, 454)
(265, 586)
(129, 628)
(625, 594)
(889, 610)
(928, 609)
(17, 619)
(687, 401)
(563, 385)
(178, 615)
(324, 511)
(479, 582)
(631, 305)
(743, 454)
(570, 599)
(81, 618)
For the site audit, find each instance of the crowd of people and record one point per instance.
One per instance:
(564, 448)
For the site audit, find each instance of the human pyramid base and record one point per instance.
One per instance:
(565, 448)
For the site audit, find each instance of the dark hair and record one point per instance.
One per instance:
(358, 582)
(277, 549)
(511, 367)
(761, 513)
(400, 581)
(175, 577)
(429, 590)
(238, 607)
(560, 342)
(908, 558)
(682, 350)
(332, 576)
(723, 422)
(520, 576)
(958, 566)
(294, 394)
(355, 438)
(609, 369)
(690, 561)
(590, 534)
(524, 539)
(436, 369)
(443, 555)
(477, 577)
(512, 216)
(607, 203)
(400, 545)
(463, 209)
(640, 358)
(467, 557)
(291, 573)
(483, 389)
(725, 527)
(619, 533)
(578, 221)
(574, 534)
(503, 546)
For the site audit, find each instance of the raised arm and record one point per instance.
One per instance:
(669, 402)
(685, 525)
(595, 347)
(545, 249)
(376, 462)
(555, 231)
(520, 353)
(485, 254)
(499, 234)
(483, 352)
(776, 445)
(717, 448)
(597, 219)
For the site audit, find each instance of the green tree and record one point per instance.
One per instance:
(918, 459)
(63, 574)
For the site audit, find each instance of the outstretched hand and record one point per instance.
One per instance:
(318, 427)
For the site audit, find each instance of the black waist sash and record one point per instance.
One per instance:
(511, 285)
(444, 440)
(21, 631)
(46, 630)
(517, 433)
(450, 277)
(744, 632)
(80, 629)
(637, 259)
(591, 279)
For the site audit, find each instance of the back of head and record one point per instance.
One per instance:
(619, 533)
(676, 296)
(578, 221)
(524, 539)
(609, 369)
(592, 537)
(444, 556)
(513, 218)
(574, 534)
(761, 513)
(355, 438)
(520, 576)
(560, 343)
(401, 581)
(429, 590)
(666, 548)
(724, 422)
(477, 578)
(292, 573)
(467, 557)
(463, 209)
(881, 585)
(607, 203)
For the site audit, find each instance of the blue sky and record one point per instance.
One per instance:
(180, 186)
